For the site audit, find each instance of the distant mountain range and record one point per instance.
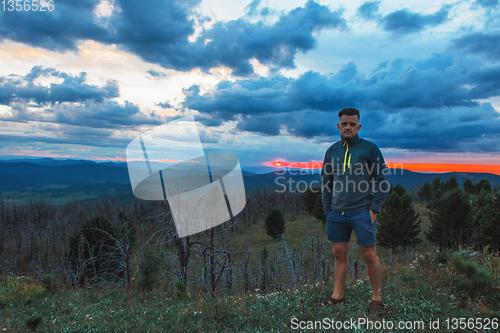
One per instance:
(47, 174)
(49, 161)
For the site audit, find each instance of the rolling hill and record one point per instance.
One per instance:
(56, 177)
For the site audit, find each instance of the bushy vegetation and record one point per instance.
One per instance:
(319, 211)
(91, 249)
(398, 222)
(19, 289)
(275, 223)
(415, 288)
(420, 283)
(468, 216)
(309, 199)
(449, 214)
(472, 280)
(180, 290)
(99, 251)
(33, 322)
(485, 220)
(149, 268)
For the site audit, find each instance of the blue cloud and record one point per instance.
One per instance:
(487, 3)
(71, 102)
(107, 115)
(165, 105)
(487, 44)
(431, 83)
(435, 95)
(458, 129)
(257, 96)
(59, 30)
(406, 22)
(252, 8)
(156, 74)
(265, 124)
(369, 10)
(402, 21)
(72, 89)
(233, 44)
(154, 30)
(158, 32)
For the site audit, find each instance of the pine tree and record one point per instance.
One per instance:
(485, 221)
(309, 199)
(437, 184)
(149, 268)
(473, 281)
(100, 237)
(449, 214)
(483, 185)
(425, 193)
(105, 252)
(469, 188)
(450, 184)
(398, 223)
(275, 223)
(319, 211)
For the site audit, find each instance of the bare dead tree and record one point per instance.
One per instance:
(264, 273)
(37, 234)
(246, 273)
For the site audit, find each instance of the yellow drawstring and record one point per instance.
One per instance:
(345, 156)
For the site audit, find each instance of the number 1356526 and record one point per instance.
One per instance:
(27, 5)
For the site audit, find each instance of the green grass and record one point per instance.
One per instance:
(119, 310)
(296, 231)
(415, 289)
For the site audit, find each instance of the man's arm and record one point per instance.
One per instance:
(380, 176)
(326, 185)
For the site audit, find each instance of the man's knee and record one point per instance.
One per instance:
(340, 251)
(369, 253)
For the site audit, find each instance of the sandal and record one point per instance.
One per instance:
(330, 301)
(377, 307)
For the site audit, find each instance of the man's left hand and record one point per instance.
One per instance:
(373, 215)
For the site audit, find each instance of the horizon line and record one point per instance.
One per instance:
(415, 167)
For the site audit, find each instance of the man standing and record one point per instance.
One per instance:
(354, 184)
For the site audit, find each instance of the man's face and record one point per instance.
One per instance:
(348, 126)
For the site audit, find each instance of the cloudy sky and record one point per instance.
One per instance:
(264, 79)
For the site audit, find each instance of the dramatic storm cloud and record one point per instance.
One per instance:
(71, 102)
(60, 29)
(432, 83)
(407, 98)
(158, 32)
(479, 43)
(267, 78)
(72, 88)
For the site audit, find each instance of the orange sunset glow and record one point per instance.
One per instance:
(294, 165)
(416, 167)
(428, 167)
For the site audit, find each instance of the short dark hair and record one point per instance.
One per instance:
(349, 112)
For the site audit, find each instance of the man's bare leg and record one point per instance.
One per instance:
(340, 251)
(374, 269)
